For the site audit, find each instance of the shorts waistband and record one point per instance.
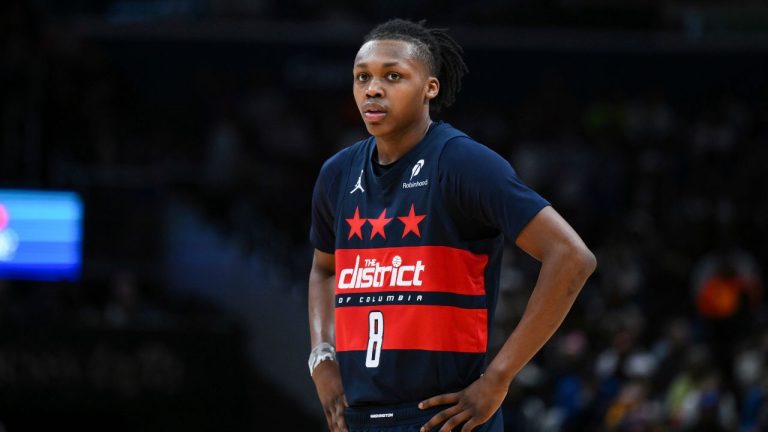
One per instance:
(389, 415)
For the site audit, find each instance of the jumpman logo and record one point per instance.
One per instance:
(359, 184)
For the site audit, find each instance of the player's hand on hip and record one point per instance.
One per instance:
(331, 393)
(471, 407)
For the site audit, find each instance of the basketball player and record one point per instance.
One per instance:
(408, 227)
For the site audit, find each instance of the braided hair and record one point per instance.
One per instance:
(438, 50)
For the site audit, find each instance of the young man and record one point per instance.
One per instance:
(408, 228)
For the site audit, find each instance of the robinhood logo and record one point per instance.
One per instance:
(416, 169)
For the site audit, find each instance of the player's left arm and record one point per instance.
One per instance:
(566, 264)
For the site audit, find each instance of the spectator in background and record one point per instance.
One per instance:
(752, 376)
(129, 303)
(572, 386)
(632, 410)
(728, 293)
(671, 351)
(125, 300)
(697, 399)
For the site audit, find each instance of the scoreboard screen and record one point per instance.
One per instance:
(40, 235)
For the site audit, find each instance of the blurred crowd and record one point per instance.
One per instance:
(668, 335)
(670, 332)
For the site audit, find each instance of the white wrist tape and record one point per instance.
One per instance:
(322, 352)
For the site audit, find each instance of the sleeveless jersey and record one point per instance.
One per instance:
(418, 252)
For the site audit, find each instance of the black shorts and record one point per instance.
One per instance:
(405, 418)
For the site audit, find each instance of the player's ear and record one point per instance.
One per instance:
(433, 88)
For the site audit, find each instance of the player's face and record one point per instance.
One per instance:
(392, 87)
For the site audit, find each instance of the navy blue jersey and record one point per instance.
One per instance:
(418, 250)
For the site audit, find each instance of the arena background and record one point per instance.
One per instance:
(192, 131)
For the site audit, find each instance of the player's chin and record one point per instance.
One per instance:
(376, 127)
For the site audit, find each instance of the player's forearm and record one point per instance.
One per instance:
(321, 308)
(562, 275)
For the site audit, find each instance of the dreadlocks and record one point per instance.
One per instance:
(439, 51)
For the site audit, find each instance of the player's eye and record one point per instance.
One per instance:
(393, 76)
(362, 76)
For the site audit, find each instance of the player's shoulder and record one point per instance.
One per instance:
(336, 163)
(463, 151)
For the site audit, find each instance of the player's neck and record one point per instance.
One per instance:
(392, 147)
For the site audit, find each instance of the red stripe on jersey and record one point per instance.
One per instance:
(410, 327)
(410, 268)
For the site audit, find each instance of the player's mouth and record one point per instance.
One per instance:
(373, 112)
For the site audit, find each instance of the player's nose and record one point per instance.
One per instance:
(374, 89)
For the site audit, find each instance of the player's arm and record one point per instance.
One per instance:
(322, 330)
(566, 263)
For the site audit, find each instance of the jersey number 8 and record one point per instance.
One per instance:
(375, 338)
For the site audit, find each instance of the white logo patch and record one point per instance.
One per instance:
(359, 184)
(416, 169)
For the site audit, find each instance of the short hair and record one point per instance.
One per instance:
(435, 47)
